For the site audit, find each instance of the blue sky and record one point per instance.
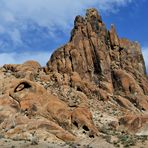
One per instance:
(33, 29)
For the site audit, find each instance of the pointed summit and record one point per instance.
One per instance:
(100, 57)
(92, 13)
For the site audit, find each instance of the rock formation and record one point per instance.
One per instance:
(99, 57)
(94, 86)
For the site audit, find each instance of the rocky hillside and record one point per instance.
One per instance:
(92, 93)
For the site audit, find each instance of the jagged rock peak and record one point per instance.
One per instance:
(93, 14)
(100, 57)
(92, 17)
(95, 45)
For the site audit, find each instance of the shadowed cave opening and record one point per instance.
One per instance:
(22, 86)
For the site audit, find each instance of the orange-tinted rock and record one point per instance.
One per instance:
(126, 82)
(34, 100)
(124, 102)
(35, 65)
(86, 53)
(26, 70)
(134, 123)
(131, 58)
(81, 117)
(97, 60)
(114, 37)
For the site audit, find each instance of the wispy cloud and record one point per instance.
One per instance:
(49, 13)
(24, 22)
(19, 58)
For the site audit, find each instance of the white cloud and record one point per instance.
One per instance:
(15, 36)
(15, 15)
(2, 29)
(49, 13)
(18, 58)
